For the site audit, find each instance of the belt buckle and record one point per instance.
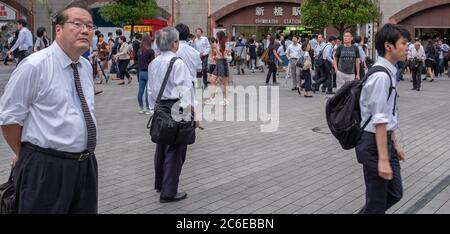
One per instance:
(84, 156)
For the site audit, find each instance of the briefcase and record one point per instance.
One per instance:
(7, 205)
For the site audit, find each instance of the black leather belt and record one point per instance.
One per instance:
(60, 154)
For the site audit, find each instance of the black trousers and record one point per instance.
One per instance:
(169, 160)
(381, 194)
(47, 184)
(306, 76)
(417, 76)
(205, 70)
(21, 55)
(272, 71)
(325, 78)
(123, 64)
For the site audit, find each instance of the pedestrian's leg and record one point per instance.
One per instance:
(205, 71)
(293, 73)
(274, 73)
(142, 83)
(160, 154)
(173, 163)
(86, 196)
(395, 187)
(44, 184)
(376, 187)
(339, 80)
(419, 77)
(414, 78)
(269, 73)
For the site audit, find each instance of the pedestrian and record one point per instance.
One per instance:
(240, 54)
(363, 57)
(284, 60)
(135, 53)
(346, 61)
(10, 43)
(123, 59)
(48, 119)
(326, 78)
(42, 41)
(24, 41)
(273, 58)
(145, 56)
(188, 54)
(306, 70)
(103, 51)
(320, 45)
(251, 51)
(430, 52)
(201, 44)
(417, 58)
(293, 53)
(377, 149)
(114, 50)
(441, 58)
(221, 74)
(169, 159)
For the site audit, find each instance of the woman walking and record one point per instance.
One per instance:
(273, 58)
(145, 56)
(123, 59)
(42, 41)
(306, 70)
(103, 54)
(221, 73)
(429, 62)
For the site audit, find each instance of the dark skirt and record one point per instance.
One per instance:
(222, 69)
(211, 68)
(429, 63)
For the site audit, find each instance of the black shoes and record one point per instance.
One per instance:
(178, 197)
(294, 89)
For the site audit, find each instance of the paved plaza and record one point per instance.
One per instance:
(235, 168)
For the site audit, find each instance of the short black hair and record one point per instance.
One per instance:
(184, 32)
(62, 17)
(138, 36)
(340, 38)
(357, 39)
(390, 33)
(110, 34)
(331, 38)
(100, 35)
(22, 22)
(40, 31)
(201, 30)
(119, 32)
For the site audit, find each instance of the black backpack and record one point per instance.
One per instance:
(7, 200)
(343, 111)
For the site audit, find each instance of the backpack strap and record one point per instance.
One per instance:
(370, 72)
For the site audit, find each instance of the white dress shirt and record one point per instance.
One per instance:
(202, 45)
(24, 41)
(328, 52)
(191, 58)
(179, 85)
(319, 48)
(41, 96)
(417, 54)
(294, 51)
(374, 98)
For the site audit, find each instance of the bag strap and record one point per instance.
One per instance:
(370, 72)
(166, 79)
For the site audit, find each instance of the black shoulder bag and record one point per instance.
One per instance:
(7, 201)
(163, 128)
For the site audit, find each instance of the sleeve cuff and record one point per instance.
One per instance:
(380, 119)
(10, 120)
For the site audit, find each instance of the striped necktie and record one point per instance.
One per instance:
(90, 125)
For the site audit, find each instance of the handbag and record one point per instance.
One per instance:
(7, 201)
(163, 128)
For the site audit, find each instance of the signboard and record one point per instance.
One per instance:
(7, 12)
(138, 28)
(278, 15)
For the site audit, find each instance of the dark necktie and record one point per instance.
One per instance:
(90, 125)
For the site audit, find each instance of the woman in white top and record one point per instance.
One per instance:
(284, 60)
(42, 41)
(123, 59)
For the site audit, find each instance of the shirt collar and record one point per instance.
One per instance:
(62, 56)
(384, 62)
(168, 53)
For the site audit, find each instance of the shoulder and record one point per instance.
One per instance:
(85, 63)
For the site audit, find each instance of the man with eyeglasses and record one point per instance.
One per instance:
(48, 119)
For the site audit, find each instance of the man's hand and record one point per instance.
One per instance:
(358, 78)
(197, 125)
(9, 53)
(385, 170)
(400, 153)
(14, 160)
